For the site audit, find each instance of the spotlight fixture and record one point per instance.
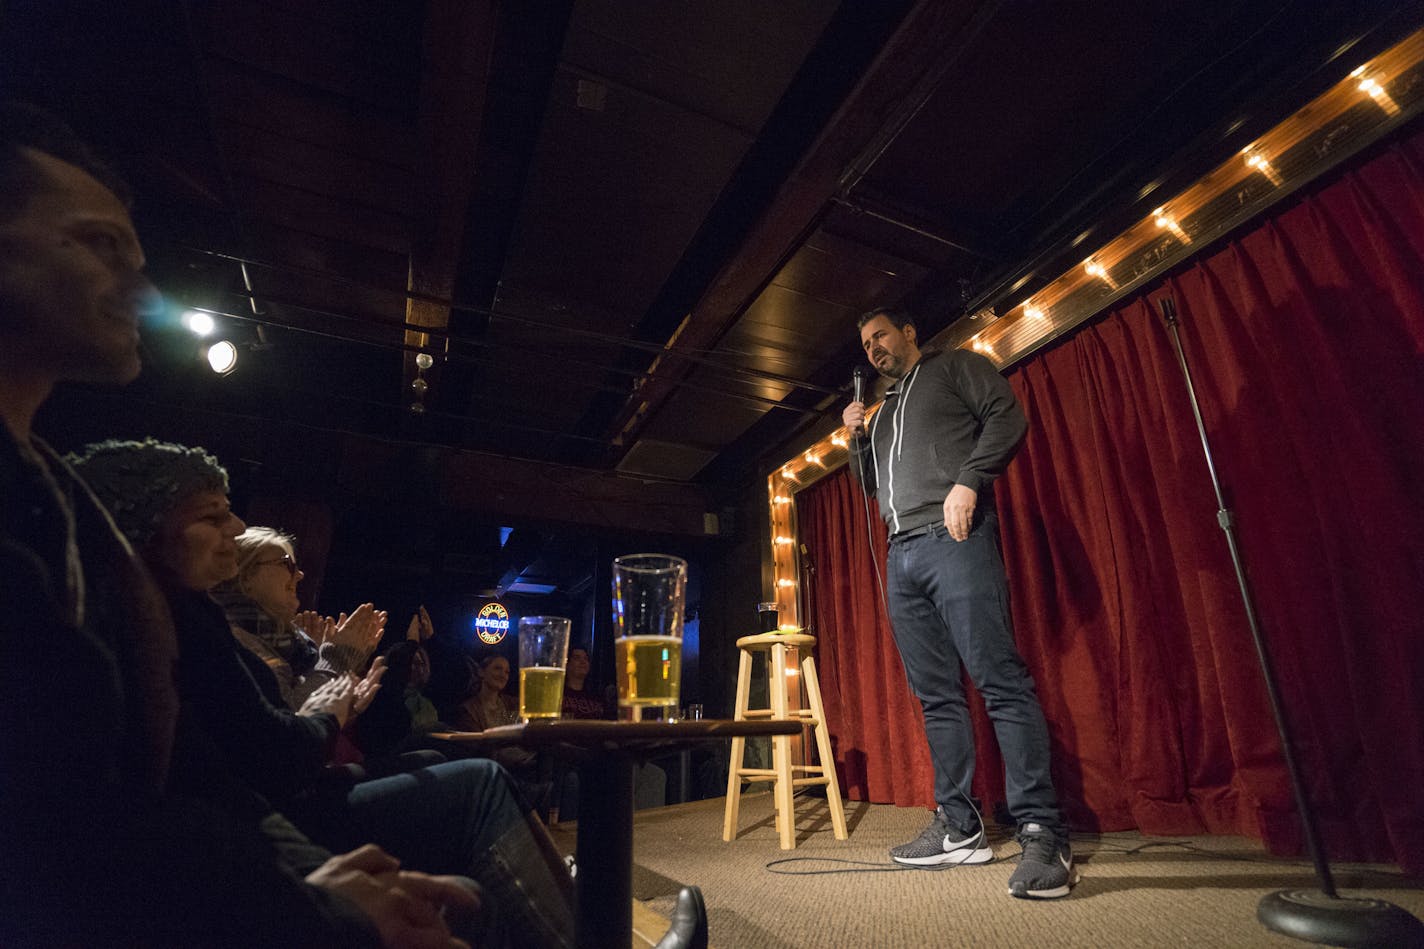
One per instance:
(199, 323)
(222, 357)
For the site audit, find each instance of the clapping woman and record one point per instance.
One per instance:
(303, 650)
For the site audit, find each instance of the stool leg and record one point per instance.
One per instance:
(781, 751)
(739, 747)
(823, 747)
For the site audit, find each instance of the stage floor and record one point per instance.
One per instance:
(1136, 891)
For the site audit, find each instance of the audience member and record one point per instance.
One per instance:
(458, 817)
(401, 716)
(262, 606)
(580, 701)
(97, 846)
(489, 703)
(489, 706)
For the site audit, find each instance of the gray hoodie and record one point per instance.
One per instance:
(951, 420)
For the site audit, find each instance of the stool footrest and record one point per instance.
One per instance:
(812, 769)
(804, 715)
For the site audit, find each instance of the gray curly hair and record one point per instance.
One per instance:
(141, 482)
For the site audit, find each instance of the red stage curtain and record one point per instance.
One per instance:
(1305, 338)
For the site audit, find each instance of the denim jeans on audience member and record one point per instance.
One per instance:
(462, 817)
(949, 604)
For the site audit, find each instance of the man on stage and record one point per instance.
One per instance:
(948, 427)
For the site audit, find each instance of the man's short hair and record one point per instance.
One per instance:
(141, 483)
(26, 126)
(898, 317)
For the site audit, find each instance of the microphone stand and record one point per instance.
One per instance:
(1324, 916)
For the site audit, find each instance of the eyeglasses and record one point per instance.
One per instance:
(285, 561)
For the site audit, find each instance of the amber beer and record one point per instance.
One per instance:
(543, 653)
(541, 692)
(648, 595)
(649, 671)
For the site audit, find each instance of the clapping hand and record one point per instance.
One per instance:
(406, 907)
(368, 686)
(420, 628)
(360, 632)
(317, 627)
(334, 698)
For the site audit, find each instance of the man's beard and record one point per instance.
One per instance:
(892, 368)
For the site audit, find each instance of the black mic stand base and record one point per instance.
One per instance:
(1312, 916)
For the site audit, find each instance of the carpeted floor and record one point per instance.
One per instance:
(1136, 891)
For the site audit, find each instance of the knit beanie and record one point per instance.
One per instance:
(141, 482)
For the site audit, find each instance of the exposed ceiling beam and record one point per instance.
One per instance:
(887, 96)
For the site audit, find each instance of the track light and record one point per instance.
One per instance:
(222, 357)
(199, 323)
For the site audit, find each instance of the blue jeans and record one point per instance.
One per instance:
(461, 817)
(949, 608)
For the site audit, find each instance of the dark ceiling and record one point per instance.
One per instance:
(634, 236)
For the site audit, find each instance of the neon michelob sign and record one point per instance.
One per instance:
(492, 623)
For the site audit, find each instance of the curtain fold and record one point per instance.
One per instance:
(1306, 343)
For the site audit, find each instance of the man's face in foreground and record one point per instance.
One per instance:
(71, 281)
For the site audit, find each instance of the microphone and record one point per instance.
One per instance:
(858, 384)
(858, 387)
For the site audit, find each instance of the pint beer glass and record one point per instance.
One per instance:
(543, 652)
(648, 598)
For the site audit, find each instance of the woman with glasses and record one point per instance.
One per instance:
(303, 650)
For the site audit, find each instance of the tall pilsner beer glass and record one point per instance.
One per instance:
(649, 591)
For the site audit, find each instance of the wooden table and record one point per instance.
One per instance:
(605, 753)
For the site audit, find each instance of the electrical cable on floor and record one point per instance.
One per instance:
(855, 866)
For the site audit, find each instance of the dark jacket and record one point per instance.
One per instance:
(97, 848)
(952, 419)
(264, 744)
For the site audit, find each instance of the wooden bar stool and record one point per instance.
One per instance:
(775, 646)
